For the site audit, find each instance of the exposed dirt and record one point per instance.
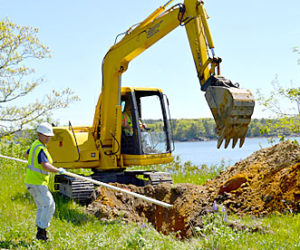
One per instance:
(266, 182)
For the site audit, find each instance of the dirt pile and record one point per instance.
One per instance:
(189, 203)
(268, 181)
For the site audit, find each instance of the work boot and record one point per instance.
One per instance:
(41, 234)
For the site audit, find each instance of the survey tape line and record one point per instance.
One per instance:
(12, 158)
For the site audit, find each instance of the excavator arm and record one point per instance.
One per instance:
(231, 106)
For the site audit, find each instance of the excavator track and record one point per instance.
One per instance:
(135, 177)
(75, 189)
(81, 191)
(156, 178)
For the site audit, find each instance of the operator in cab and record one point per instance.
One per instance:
(37, 178)
(127, 125)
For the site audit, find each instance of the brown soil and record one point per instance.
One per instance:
(266, 182)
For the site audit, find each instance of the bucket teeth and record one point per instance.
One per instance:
(234, 133)
(242, 140)
(234, 141)
(227, 142)
(220, 140)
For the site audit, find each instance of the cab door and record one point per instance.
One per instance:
(146, 111)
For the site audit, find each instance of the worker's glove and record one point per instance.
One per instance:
(61, 171)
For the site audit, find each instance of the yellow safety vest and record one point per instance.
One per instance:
(35, 173)
(127, 124)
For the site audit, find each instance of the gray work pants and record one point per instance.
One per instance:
(45, 204)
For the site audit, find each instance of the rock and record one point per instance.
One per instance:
(233, 183)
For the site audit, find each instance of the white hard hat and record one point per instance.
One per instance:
(45, 129)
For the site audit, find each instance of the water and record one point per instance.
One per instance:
(206, 152)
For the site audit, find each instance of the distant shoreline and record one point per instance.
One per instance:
(215, 139)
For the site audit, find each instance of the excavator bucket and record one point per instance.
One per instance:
(232, 109)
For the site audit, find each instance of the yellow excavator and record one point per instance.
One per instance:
(108, 147)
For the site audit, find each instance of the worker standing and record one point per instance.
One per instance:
(37, 178)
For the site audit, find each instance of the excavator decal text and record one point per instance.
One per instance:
(153, 30)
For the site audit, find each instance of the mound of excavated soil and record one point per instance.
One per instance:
(268, 181)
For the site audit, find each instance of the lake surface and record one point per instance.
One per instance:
(206, 152)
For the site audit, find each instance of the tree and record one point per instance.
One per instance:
(287, 119)
(20, 45)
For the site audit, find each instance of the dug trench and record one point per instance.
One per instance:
(268, 181)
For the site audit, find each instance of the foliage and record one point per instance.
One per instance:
(13, 149)
(284, 104)
(204, 128)
(215, 226)
(20, 45)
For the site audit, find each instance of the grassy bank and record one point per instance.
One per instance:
(71, 228)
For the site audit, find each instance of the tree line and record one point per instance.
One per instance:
(204, 128)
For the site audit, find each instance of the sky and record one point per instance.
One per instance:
(255, 40)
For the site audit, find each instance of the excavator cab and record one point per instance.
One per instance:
(140, 135)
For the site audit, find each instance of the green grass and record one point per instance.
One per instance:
(274, 232)
(186, 172)
(71, 228)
